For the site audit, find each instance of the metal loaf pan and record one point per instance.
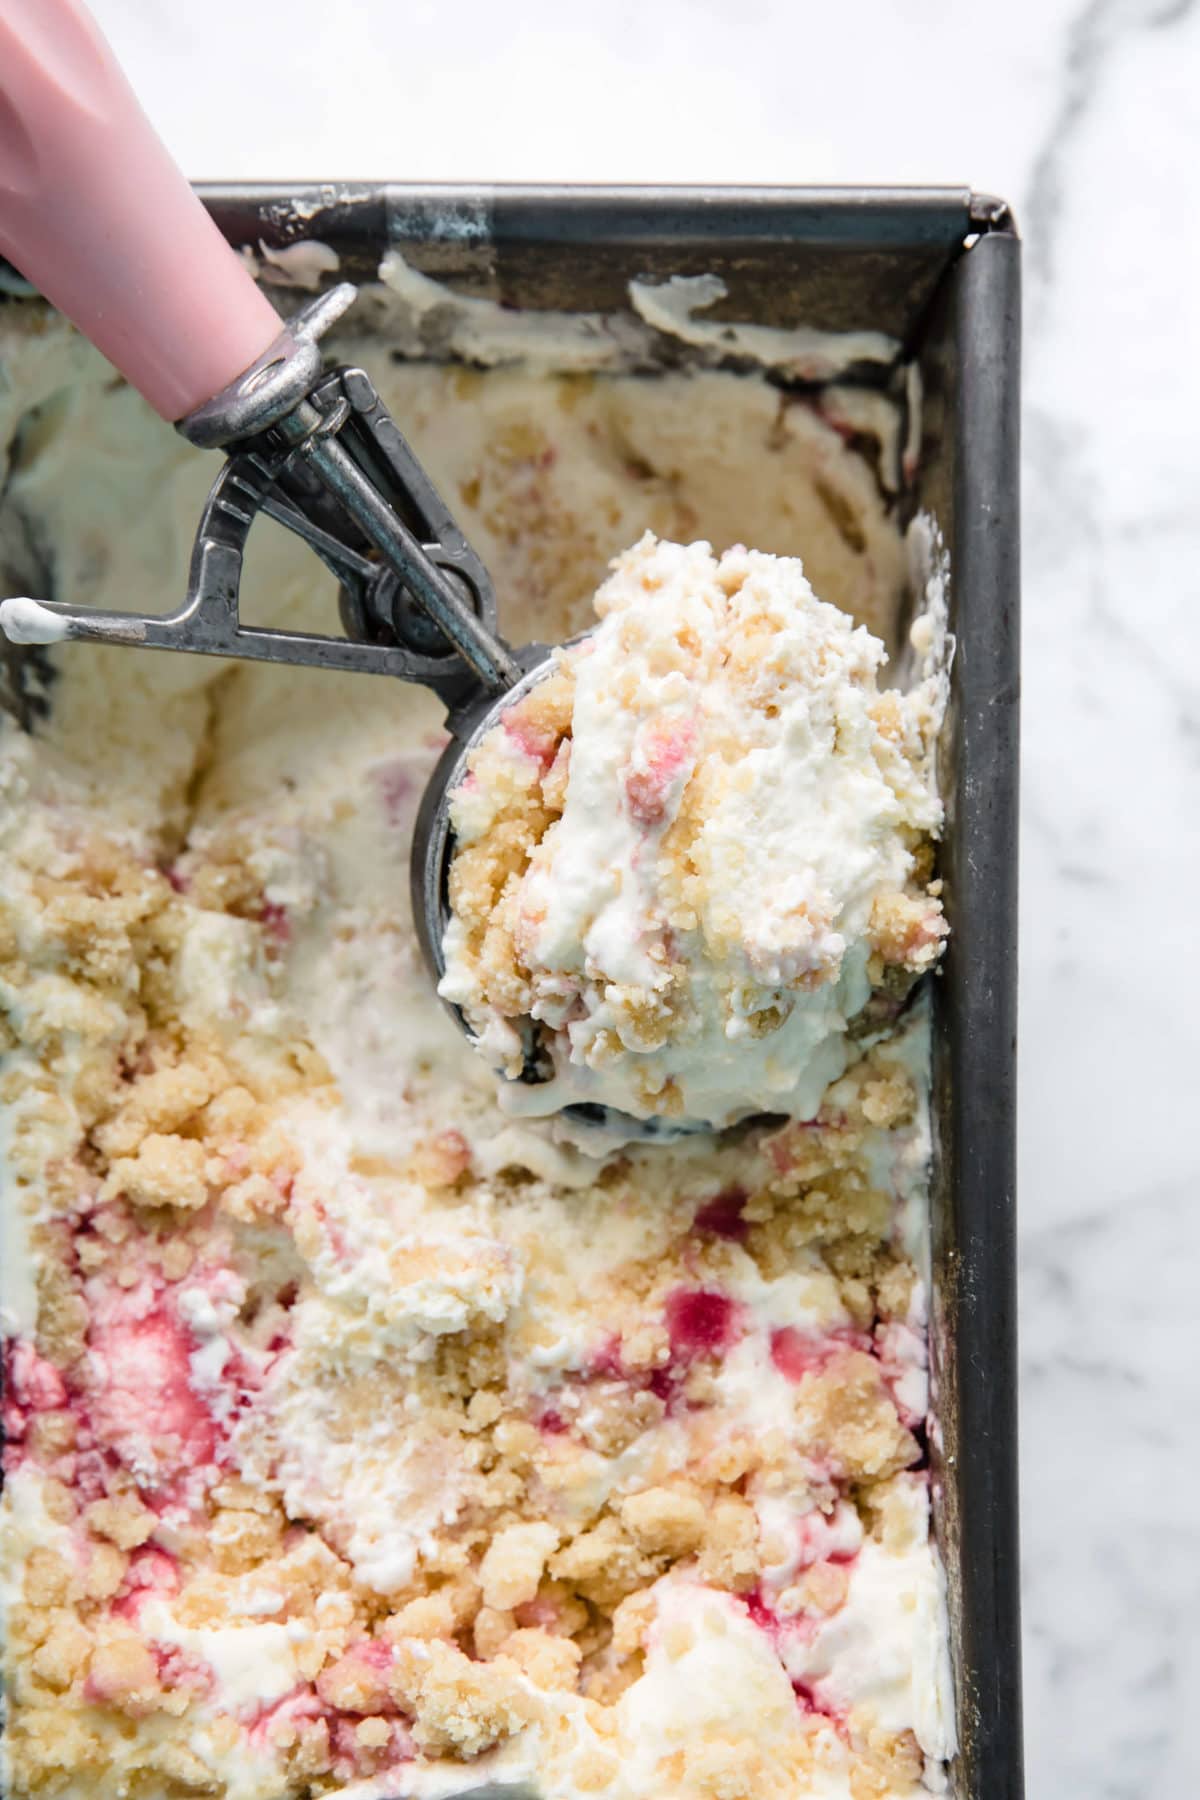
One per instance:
(937, 268)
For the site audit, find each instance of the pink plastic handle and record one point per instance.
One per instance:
(97, 216)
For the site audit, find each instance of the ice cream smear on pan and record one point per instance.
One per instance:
(363, 1439)
(694, 863)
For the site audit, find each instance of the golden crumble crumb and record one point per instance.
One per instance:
(605, 1563)
(729, 1558)
(483, 1409)
(177, 1258)
(60, 1659)
(888, 1101)
(159, 1102)
(825, 1586)
(58, 1499)
(646, 1345)
(549, 1662)
(124, 1521)
(907, 930)
(891, 1765)
(373, 1733)
(243, 1537)
(890, 1515)
(48, 1579)
(309, 1744)
(491, 1628)
(231, 1114)
(122, 1671)
(49, 1435)
(667, 1520)
(459, 1707)
(62, 1317)
(512, 1568)
(106, 1567)
(894, 1291)
(240, 1495)
(256, 1196)
(848, 1413)
(431, 1615)
(615, 1418)
(354, 1684)
(166, 1171)
(632, 1621)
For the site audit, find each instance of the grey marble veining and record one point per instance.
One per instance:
(1110, 1172)
(1086, 118)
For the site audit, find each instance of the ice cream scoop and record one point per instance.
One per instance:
(692, 871)
(96, 215)
(94, 212)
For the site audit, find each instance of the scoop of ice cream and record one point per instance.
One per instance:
(690, 858)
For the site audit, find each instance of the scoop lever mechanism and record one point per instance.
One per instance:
(103, 224)
(320, 454)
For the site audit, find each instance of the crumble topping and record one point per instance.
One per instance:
(361, 1440)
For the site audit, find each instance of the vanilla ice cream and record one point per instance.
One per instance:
(688, 859)
(362, 1438)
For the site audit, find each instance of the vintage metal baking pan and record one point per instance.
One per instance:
(938, 268)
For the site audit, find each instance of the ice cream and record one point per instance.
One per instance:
(362, 1439)
(689, 860)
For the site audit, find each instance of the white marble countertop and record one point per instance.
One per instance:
(1084, 116)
